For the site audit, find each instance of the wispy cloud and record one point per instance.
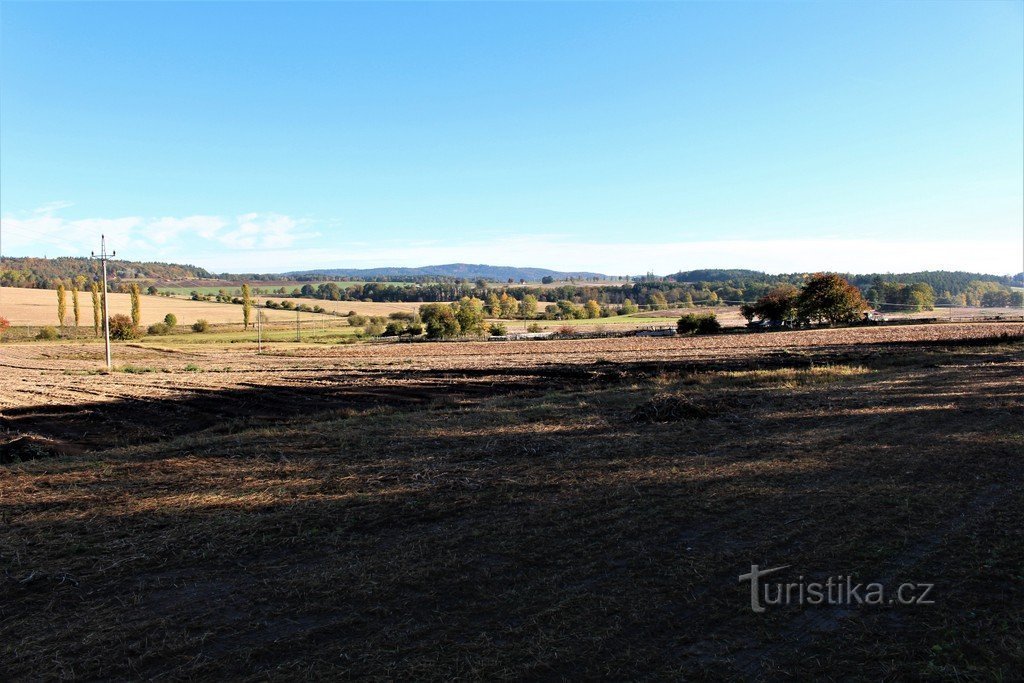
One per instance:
(44, 231)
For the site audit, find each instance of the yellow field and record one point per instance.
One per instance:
(39, 307)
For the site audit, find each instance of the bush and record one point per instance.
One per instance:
(374, 328)
(698, 323)
(356, 320)
(47, 333)
(534, 327)
(498, 330)
(200, 326)
(158, 328)
(171, 321)
(566, 331)
(394, 328)
(414, 329)
(122, 327)
(407, 316)
(5, 325)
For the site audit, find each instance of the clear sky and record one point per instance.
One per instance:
(613, 137)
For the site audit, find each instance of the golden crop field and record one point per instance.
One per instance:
(38, 307)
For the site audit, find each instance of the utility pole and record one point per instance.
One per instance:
(106, 320)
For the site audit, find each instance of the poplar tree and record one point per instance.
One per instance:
(62, 304)
(136, 306)
(97, 314)
(246, 305)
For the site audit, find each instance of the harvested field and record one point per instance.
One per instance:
(542, 509)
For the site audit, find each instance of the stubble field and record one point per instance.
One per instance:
(536, 509)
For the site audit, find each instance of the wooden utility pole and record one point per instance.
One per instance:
(106, 320)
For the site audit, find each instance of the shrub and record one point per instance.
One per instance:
(5, 325)
(171, 321)
(394, 328)
(498, 330)
(698, 323)
(414, 329)
(534, 327)
(407, 316)
(158, 328)
(200, 326)
(566, 331)
(356, 320)
(47, 333)
(122, 327)
(374, 328)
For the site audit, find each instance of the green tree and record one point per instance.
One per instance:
(778, 306)
(136, 305)
(97, 312)
(827, 297)
(62, 304)
(627, 307)
(659, 301)
(528, 306)
(440, 321)
(593, 309)
(246, 305)
(171, 321)
(470, 313)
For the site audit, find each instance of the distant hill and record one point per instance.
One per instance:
(467, 271)
(45, 272)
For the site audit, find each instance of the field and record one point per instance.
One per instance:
(37, 307)
(540, 509)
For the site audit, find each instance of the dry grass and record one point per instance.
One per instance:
(493, 511)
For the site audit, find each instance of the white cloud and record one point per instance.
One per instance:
(270, 242)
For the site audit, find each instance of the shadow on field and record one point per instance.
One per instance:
(543, 535)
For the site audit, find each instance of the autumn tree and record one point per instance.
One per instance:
(97, 312)
(136, 305)
(593, 309)
(493, 305)
(246, 305)
(62, 304)
(440, 321)
(829, 298)
(508, 305)
(470, 313)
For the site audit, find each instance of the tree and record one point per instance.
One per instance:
(547, 280)
(508, 305)
(62, 304)
(152, 290)
(170, 320)
(698, 323)
(440, 321)
(777, 307)
(659, 301)
(246, 305)
(627, 307)
(493, 305)
(74, 305)
(5, 325)
(97, 312)
(593, 309)
(528, 306)
(827, 297)
(470, 313)
(136, 305)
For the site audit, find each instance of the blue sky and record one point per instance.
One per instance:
(612, 137)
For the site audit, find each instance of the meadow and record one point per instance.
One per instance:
(536, 509)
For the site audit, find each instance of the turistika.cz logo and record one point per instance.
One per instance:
(836, 590)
